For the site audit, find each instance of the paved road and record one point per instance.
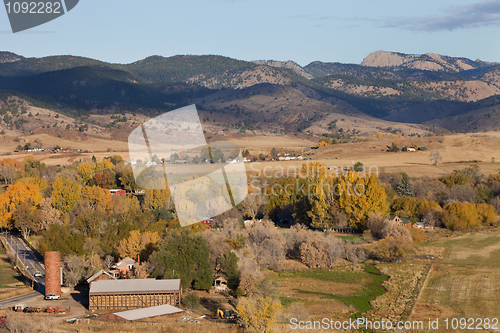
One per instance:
(31, 263)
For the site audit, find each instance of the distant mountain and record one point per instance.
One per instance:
(267, 95)
(428, 61)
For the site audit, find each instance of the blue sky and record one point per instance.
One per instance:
(303, 31)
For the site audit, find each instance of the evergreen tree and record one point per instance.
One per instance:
(229, 267)
(405, 188)
(186, 257)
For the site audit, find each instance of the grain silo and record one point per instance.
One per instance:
(53, 273)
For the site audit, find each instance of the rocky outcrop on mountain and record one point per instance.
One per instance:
(286, 64)
(428, 61)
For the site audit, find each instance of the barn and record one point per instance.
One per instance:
(130, 294)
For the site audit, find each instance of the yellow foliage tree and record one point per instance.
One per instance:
(258, 314)
(14, 196)
(156, 198)
(86, 172)
(461, 216)
(103, 165)
(487, 213)
(66, 194)
(97, 197)
(42, 183)
(137, 242)
(358, 197)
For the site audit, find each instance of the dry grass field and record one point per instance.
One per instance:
(464, 284)
(458, 151)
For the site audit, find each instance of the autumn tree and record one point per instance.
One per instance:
(461, 216)
(96, 197)
(391, 248)
(137, 242)
(253, 203)
(321, 252)
(487, 214)
(154, 199)
(358, 197)
(27, 219)
(104, 180)
(126, 178)
(13, 197)
(259, 314)
(66, 194)
(10, 169)
(86, 172)
(33, 167)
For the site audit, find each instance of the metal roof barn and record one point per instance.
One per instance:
(130, 294)
(134, 286)
(153, 311)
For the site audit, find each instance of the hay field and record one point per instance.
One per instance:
(465, 283)
(457, 150)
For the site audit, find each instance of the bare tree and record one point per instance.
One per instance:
(462, 193)
(108, 262)
(355, 253)
(253, 203)
(430, 218)
(378, 225)
(321, 252)
(142, 270)
(8, 174)
(50, 215)
(249, 274)
(436, 157)
(267, 245)
(74, 269)
(496, 203)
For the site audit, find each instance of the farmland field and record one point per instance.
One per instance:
(464, 284)
(335, 293)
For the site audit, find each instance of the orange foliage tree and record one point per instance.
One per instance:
(13, 197)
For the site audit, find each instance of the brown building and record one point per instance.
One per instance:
(129, 294)
(101, 275)
(53, 273)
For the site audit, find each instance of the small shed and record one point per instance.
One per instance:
(220, 284)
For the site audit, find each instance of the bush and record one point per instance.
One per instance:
(391, 249)
(191, 301)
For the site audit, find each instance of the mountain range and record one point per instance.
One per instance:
(388, 92)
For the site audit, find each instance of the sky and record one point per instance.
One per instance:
(303, 31)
